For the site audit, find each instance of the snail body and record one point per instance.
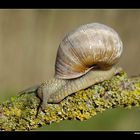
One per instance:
(85, 56)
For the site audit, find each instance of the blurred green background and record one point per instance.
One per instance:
(28, 44)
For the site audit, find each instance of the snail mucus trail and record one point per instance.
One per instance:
(85, 56)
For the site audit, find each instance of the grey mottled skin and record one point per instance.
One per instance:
(81, 52)
(55, 90)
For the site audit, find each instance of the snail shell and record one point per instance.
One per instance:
(91, 46)
(85, 56)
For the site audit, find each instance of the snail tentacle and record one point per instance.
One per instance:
(48, 88)
(32, 89)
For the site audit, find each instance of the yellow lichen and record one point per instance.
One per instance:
(19, 113)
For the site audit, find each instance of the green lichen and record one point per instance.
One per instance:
(19, 112)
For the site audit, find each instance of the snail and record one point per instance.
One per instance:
(85, 56)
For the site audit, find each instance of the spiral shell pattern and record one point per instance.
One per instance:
(91, 46)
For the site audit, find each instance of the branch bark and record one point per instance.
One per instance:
(19, 112)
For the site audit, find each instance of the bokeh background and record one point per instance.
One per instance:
(28, 44)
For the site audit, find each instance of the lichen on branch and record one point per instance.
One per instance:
(19, 112)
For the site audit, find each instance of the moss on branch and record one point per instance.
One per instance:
(19, 112)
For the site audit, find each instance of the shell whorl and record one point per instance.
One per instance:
(91, 46)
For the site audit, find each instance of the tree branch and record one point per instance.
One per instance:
(19, 112)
